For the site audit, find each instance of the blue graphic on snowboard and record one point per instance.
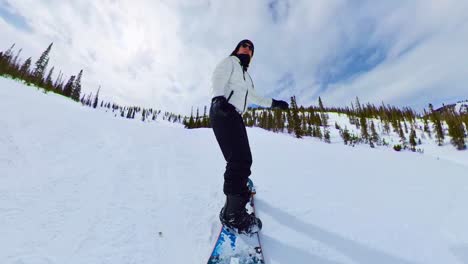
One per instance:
(234, 248)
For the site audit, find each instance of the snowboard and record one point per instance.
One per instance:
(234, 248)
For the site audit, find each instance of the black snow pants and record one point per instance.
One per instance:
(230, 132)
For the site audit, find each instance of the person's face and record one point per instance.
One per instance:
(245, 48)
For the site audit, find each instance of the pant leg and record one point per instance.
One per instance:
(231, 135)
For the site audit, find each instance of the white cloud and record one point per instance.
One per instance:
(162, 53)
(427, 60)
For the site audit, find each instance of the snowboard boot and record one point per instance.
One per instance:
(234, 215)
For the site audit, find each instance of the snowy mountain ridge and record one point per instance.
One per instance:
(460, 107)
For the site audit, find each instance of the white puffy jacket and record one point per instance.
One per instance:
(230, 81)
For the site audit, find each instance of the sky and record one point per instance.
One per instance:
(162, 54)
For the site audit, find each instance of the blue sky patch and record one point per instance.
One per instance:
(285, 83)
(10, 17)
(349, 64)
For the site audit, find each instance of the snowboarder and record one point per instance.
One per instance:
(232, 91)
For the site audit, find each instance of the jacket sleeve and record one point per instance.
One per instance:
(259, 100)
(220, 77)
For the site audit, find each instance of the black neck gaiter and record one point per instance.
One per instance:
(244, 60)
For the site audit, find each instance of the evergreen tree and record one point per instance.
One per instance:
(358, 106)
(309, 131)
(96, 99)
(88, 99)
(326, 135)
(345, 135)
(270, 121)
(426, 127)
(2, 63)
(324, 119)
(386, 127)
(67, 90)
(48, 81)
(206, 121)
(412, 140)
(456, 131)
(24, 70)
(197, 119)
(439, 131)
(77, 87)
(279, 120)
(191, 123)
(364, 131)
(401, 133)
(58, 87)
(304, 125)
(321, 105)
(15, 61)
(7, 56)
(464, 118)
(41, 65)
(374, 135)
(129, 113)
(296, 122)
(318, 132)
(262, 120)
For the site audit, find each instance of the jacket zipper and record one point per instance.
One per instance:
(245, 101)
(253, 86)
(230, 95)
(246, 93)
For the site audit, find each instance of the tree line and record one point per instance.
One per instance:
(38, 74)
(11, 66)
(313, 121)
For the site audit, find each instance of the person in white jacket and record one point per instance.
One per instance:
(232, 92)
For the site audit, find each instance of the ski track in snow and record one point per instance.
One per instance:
(81, 186)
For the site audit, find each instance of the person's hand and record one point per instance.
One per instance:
(280, 104)
(220, 105)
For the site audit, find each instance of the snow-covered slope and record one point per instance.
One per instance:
(82, 186)
(461, 107)
(428, 144)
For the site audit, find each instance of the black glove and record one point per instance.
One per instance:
(220, 105)
(280, 104)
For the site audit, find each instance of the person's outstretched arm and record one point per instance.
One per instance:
(259, 100)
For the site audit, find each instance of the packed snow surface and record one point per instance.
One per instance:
(79, 185)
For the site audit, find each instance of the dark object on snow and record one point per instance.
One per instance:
(234, 215)
(280, 104)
